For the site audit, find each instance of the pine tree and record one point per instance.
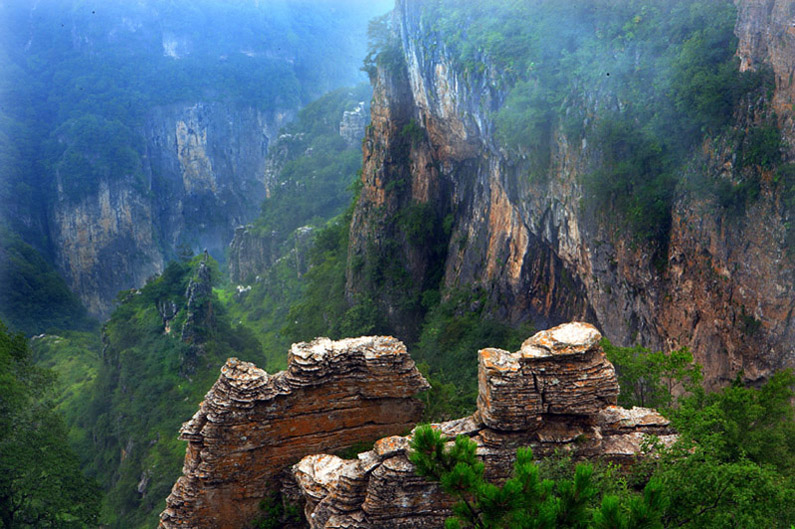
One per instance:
(525, 501)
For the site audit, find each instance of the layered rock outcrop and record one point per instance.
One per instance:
(558, 392)
(252, 425)
(725, 286)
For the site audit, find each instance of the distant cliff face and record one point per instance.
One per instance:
(207, 167)
(203, 175)
(538, 252)
(766, 29)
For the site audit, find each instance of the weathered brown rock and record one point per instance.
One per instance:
(558, 392)
(559, 371)
(252, 425)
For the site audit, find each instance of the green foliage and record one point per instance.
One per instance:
(322, 309)
(90, 149)
(34, 298)
(739, 422)
(732, 466)
(314, 183)
(634, 178)
(301, 295)
(126, 432)
(762, 147)
(74, 356)
(78, 102)
(277, 513)
(525, 500)
(648, 378)
(452, 334)
(355, 449)
(413, 132)
(784, 181)
(41, 485)
(734, 462)
(383, 46)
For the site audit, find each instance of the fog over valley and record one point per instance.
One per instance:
(248, 248)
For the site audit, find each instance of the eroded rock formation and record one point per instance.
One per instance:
(252, 425)
(557, 392)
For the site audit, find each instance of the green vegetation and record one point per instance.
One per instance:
(525, 500)
(314, 182)
(643, 81)
(294, 297)
(732, 466)
(81, 79)
(648, 378)
(75, 357)
(322, 310)
(126, 432)
(41, 485)
(453, 332)
(34, 298)
(277, 513)
(383, 47)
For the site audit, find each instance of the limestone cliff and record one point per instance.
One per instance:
(307, 177)
(542, 256)
(203, 175)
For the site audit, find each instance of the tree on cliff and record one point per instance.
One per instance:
(733, 466)
(525, 500)
(41, 484)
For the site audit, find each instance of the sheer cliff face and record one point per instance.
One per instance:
(766, 29)
(543, 257)
(207, 166)
(204, 170)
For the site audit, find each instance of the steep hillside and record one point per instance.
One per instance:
(160, 352)
(625, 169)
(129, 131)
(125, 391)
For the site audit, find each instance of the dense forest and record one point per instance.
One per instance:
(90, 409)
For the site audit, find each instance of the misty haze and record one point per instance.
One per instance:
(250, 248)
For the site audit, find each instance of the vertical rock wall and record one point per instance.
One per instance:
(203, 175)
(726, 285)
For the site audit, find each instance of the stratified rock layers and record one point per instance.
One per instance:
(558, 392)
(252, 425)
